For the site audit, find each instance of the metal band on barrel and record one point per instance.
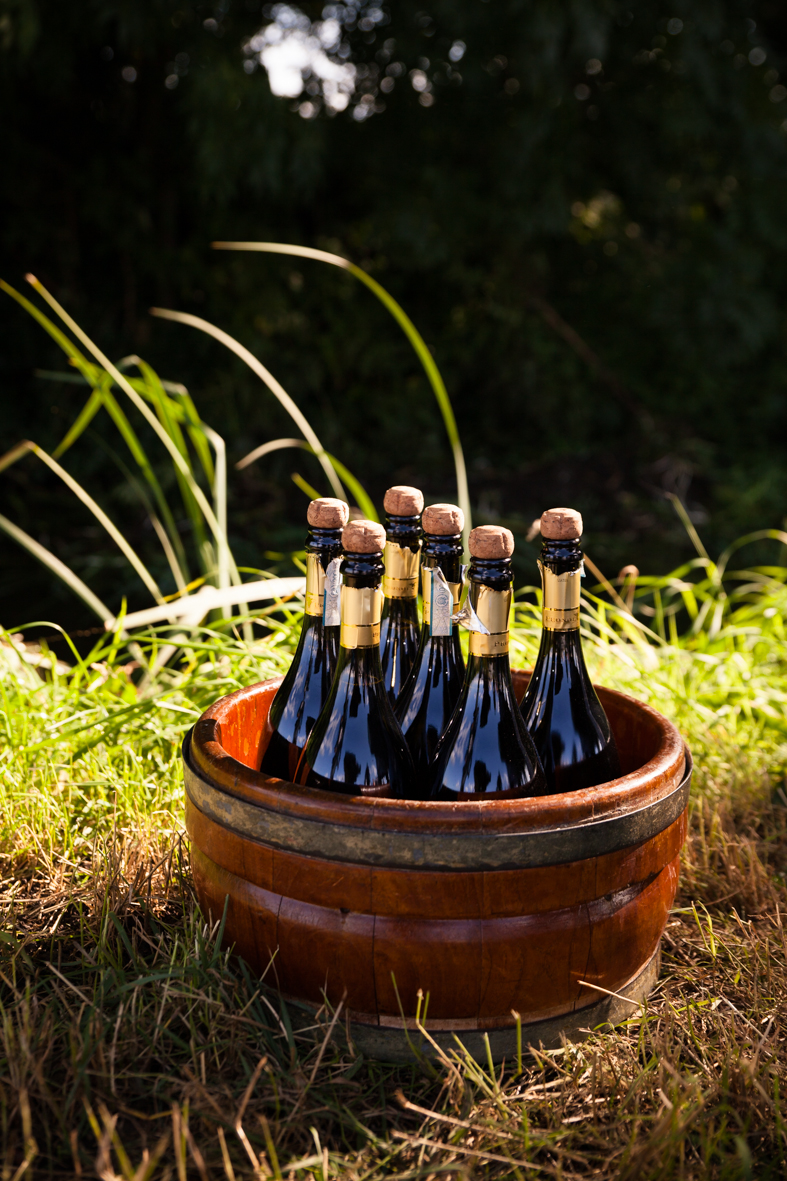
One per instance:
(315, 585)
(379, 845)
(560, 611)
(400, 580)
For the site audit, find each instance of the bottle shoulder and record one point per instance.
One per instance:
(297, 704)
(486, 749)
(434, 685)
(357, 742)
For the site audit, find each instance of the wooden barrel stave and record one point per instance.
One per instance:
(533, 937)
(482, 940)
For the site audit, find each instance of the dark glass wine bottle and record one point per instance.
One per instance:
(399, 626)
(561, 709)
(486, 751)
(302, 693)
(357, 746)
(430, 693)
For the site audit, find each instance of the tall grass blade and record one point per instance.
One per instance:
(747, 539)
(362, 498)
(130, 392)
(411, 332)
(305, 486)
(102, 395)
(220, 504)
(81, 422)
(265, 376)
(160, 531)
(95, 509)
(267, 448)
(162, 405)
(688, 525)
(59, 568)
(139, 455)
(194, 425)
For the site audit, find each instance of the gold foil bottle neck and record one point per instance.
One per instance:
(493, 608)
(560, 611)
(362, 608)
(400, 580)
(315, 585)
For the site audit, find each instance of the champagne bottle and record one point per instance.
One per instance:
(486, 750)
(357, 746)
(561, 709)
(301, 695)
(399, 626)
(430, 693)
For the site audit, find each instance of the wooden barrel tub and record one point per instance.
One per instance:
(551, 907)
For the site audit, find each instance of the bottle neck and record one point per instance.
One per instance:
(562, 569)
(402, 553)
(323, 546)
(361, 601)
(441, 595)
(490, 597)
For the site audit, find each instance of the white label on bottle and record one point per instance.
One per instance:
(331, 611)
(441, 607)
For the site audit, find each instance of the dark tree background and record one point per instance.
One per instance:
(587, 222)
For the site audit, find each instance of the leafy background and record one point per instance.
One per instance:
(595, 258)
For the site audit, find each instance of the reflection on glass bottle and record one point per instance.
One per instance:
(302, 693)
(561, 709)
(430, 693)
(357, 746)
(486, 750)
(399, 626)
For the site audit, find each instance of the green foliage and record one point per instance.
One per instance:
(154, 1041)
(598, 277)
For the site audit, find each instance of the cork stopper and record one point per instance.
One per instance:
(491, 541)
(363, 537)
(561, 524)
(443, 520)
(403, 501)
(327, 513)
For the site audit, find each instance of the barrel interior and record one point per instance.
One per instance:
(244, 733)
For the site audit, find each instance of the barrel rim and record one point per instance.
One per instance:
(469, 851)
(656, 779)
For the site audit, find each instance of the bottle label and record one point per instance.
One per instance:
(400, 580)
(495, 644)
(560, 611)
(362, 609)
(441, 599)
(332, 608)
(315, 585)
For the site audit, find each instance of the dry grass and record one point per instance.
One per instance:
(131, 1046)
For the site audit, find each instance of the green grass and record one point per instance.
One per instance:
(132, 1046)
(126, 1031)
